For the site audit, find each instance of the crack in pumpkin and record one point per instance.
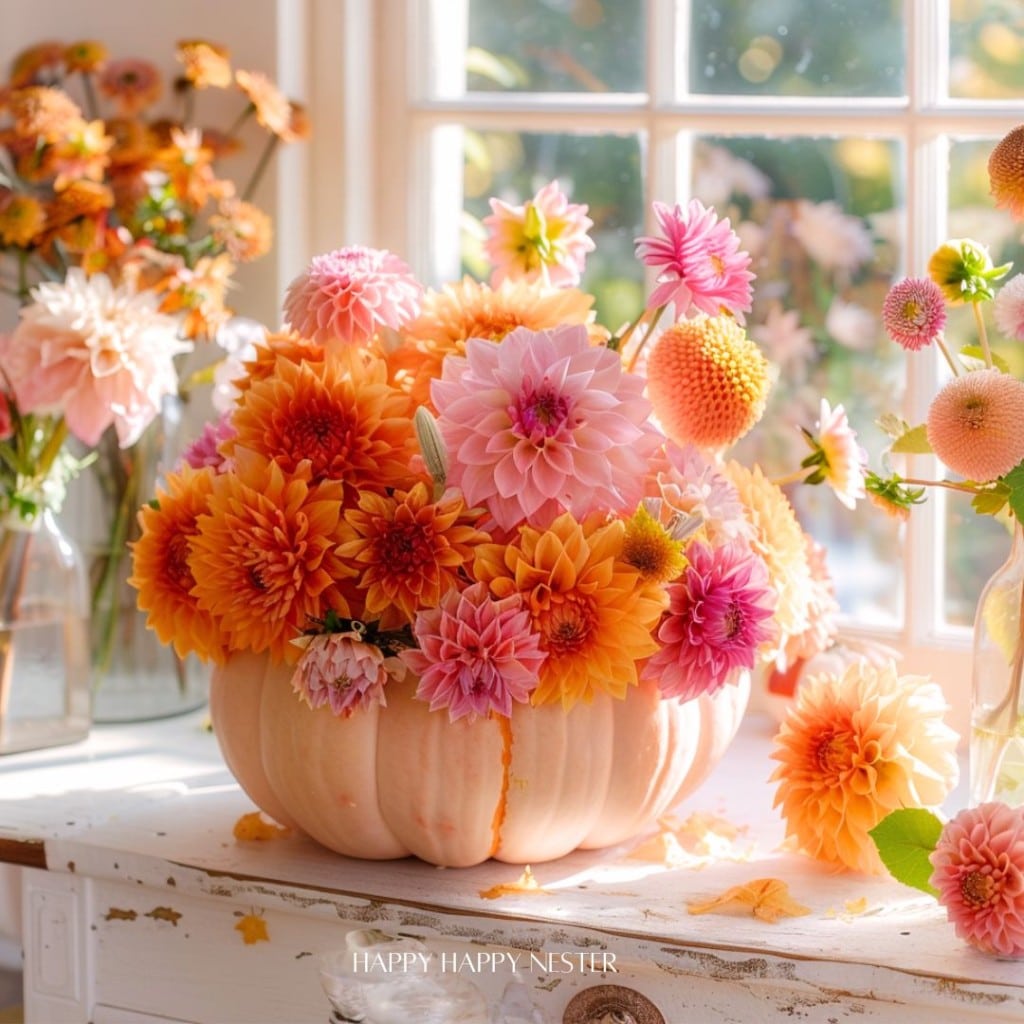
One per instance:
(505, 725)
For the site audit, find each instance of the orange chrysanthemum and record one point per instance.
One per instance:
(707, 381)
(41, 112)
(81, 154)
(205, 64)
(299, 126)
(341, 416)
(85, 56)
(470, 309)
(22, 218)
(161, 571)
(265, 556)
(852, 749)
(594, 612)
(272, 108)
(199, 292)
(780, 541)
(974, 424)
(410, 550)
(45, 58)
(131, 84)
(288, 346)
(243, 229)
(1006, 172)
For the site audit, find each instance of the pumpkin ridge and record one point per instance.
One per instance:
(501, 808)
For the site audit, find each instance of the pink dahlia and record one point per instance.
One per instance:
(545, 238)
(979, 873)
(843, 460)
(719, 613)
(700, 261)
(205, 449)
(340, 670)
(1008, 308)
(347, 294)
(476, 654)
(543, 423)
(914, 312)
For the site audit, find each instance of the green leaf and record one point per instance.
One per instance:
(977, 352)
(904, 839)
(913, 442)
(1015, 481)
(990, 502)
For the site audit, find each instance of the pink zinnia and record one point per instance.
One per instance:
(545, 238)
(477, 655)
(342, 671)
(1008, 308)
(914, 312)
(701, 264)
(979, 872)
(543, 423)
(347, 294)
(719, 613)
(205, 449)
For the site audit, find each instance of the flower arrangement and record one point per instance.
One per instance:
(119, 235)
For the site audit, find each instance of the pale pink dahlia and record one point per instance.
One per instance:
(545, 238)
(974, 424)
(914, 312)
(205, 449)
(476, 654)
(979, 873)
(347, 294)
(340, 670)
(1008, 308)
(719, 613)
(692, 484)
(844, 460)
(700, 261)
(543, 423)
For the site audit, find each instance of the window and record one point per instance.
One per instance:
(845, 138)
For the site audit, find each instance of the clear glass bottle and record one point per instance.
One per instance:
(45, 678)
(997, 684)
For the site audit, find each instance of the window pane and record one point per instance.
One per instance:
(986, 48)
(976, 545)
(603, 171)
(555, 46)
(797, 47)
(821, 219)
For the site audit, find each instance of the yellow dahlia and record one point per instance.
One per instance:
(593, 611)
(855, 747)
(469, 309)
(409, 549)
(265, 556)
(22, 218)
(707, 381)
(780, 541)
(650, 549)
(340, 415)
(85, 56)
(160, 565)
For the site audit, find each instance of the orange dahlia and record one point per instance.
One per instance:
(291, 347)
(340, 415)
(265, 556)
(593, 611)
(205, 64)
(38, 61)
(707, 381)
(161, 565)
(273, 110)
(1006, 172)
(780, 541)
(855, 747)
(85, 56)
(469, 309)
(243, 229)
(410, 550)
(39, 111)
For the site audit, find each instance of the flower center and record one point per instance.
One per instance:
(832, 754)
(568, 624)
(977, 888)
(717, 264)
(733, 621)
(972, 413)
(540, 413)
(177, 563)
(403, 548)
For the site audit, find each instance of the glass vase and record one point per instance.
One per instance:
(44, 647)
(997, 695)
(135, 676)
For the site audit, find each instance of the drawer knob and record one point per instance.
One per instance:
(611, 1004)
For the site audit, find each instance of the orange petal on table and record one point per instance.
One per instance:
(256, 825)
(663, 848)
(253, 928)
(767, 898)
(525, 883)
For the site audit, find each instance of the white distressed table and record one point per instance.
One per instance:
(134, 886)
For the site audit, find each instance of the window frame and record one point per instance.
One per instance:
(389, 165)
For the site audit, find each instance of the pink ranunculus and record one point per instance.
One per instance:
(477, 654)
(700, 263)
(96, 353)
(719, 613)
(979, 873)
(340, 670)
(543, 423)
(347, 295)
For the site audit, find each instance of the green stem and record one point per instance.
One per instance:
(53, 447)
(949, 358)
(261, 166)
(240, 120)
(982, 334)
(90, 96)
(643, 341)
(23, 290)
(948, 484)
(790, 478)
